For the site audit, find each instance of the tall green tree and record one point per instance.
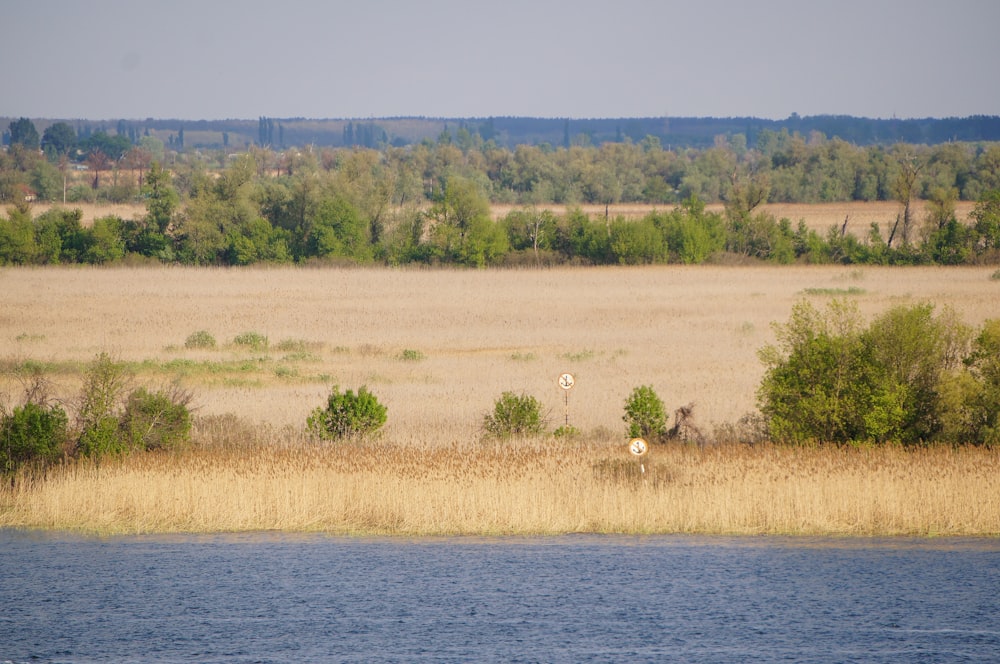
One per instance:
(58, 140)
(463, 231)
(161, 198)
(23, 132)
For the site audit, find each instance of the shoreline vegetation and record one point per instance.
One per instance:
(437, 347)
(520, 487)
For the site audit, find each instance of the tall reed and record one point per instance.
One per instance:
(519, 487)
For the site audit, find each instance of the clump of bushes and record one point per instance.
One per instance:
(254, 341)
(111, 419)
(347, 415)
(910, 377)
(514, 415)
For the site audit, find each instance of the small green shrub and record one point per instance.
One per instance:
(254, 341)
(410, 355)
(347, 415)
(104, 387)
(567, 431)
(200, 339)
(995, 276)
(645, 415)
(156, 420)
(32, 433)
(514, 415)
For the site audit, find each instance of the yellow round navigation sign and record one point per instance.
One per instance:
(566, 381)
(638, 447)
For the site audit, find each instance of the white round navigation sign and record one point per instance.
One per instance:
(566, 381)
(638, 447)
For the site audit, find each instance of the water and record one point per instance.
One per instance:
(281, 598)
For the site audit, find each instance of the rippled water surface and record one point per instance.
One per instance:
(264, 597)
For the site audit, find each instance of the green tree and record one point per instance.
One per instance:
(645, 415)
(812, 389)
(100, 405)
(987, 226)
(463, 231)
(637, 242)
(23, 132)
(58, 140)
(338, 230)
(984, 365)
(691, 234)
(17, 236)
(161, 198)
(104, 241)
(831, 381)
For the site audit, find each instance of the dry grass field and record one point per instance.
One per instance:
(691, 332)
(438, 347)
(817, 216)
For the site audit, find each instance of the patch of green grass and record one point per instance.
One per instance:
(411, 355)
(300, 357)
(580, 356)
(24, 336)
(853, 290)
(995, 276)
(298, 346)
(523, 357)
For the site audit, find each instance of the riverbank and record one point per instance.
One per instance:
(527, 487)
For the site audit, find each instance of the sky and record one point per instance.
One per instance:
(218, 59)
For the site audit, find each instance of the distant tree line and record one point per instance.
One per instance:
(430, 202)
(510, 132)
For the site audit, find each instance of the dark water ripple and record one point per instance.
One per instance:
(290, 598)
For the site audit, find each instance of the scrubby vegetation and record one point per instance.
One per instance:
(514, 415)
(911, 377)
(347, 415)
(111, 419)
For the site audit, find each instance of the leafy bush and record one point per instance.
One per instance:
(103, 392)
(514, 415)
(156, 420)
(645, 415)
(411, 355)
(831, 380)
(255, 341)
(32, 433)
(113, 420)
(200, 339)
(347, 415)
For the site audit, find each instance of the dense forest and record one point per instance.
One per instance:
(429, 202)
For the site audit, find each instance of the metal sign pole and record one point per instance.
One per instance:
(566, 382)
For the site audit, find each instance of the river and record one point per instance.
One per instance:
(266, 597)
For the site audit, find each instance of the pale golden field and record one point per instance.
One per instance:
(817, 216)
(691, 332)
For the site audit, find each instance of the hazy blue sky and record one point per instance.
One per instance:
(108, 59)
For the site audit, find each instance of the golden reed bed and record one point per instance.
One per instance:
(690, 332)
(522, 487)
